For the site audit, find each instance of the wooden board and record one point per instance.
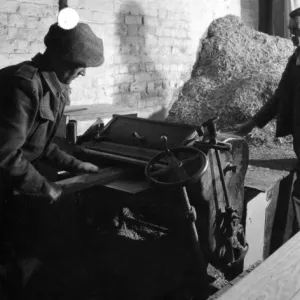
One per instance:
(130, 186)
(277, 278)
(233, 282)
(90, 112)
(84, 181)
(269, 216)
(263, 179)
(296, 296)
(255, 227)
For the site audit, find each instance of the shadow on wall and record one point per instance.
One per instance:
(138, 79)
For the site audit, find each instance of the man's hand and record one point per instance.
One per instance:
(52, 191)
(244, 128)
(86, 167)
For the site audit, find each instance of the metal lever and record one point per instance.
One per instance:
(212, 130)
(217, 146)
(201, 288)
(234, 231)
(199, 131)
(141, 139)
(164, 139)
(211, 127)
(229, 167)
(100, 127)
(171, 158)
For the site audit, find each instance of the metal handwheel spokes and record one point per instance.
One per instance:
(183, 165)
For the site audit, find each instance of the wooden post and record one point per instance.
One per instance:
(62, 4)
(266, 8)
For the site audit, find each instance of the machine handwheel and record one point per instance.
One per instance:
(177, 166)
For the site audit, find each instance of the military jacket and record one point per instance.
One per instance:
(32, 101)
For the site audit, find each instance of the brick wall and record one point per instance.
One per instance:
(150, 46)
(23, 25)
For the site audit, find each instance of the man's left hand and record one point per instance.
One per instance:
(86, 167)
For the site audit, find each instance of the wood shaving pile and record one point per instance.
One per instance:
(237, 71)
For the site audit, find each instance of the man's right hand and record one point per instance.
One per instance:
(244, 128)
(52, 191)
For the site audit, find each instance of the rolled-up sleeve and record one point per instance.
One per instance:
(18, 111)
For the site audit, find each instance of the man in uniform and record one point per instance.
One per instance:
(33, 97)
(285, 104)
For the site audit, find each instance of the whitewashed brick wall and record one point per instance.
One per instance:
(150, 45)
(23, 24)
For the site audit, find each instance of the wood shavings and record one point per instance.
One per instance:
(237, 71)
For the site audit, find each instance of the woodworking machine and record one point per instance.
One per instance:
(129, 143)
(204, 169)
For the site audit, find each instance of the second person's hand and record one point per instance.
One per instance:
(244, 128)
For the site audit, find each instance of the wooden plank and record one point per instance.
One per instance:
(89, 112)
(231, 283)
(277, 278)
(131, 186)
(105, 116)
(84, 181)
(263, 179)
(296, 296)
(255, 228)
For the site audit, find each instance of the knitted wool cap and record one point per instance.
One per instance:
(78, 45)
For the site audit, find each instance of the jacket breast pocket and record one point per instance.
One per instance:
(45, 111)
(42, 128)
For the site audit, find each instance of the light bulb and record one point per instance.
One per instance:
(68, 18)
